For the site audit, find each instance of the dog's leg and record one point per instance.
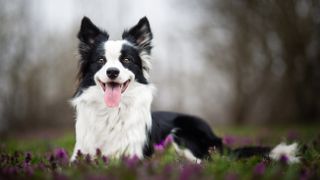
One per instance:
(74, 154)
(192, 137)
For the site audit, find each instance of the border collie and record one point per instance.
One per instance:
(113, 103)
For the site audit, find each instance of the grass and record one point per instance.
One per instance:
(37, 158)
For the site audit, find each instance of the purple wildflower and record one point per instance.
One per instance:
(28, 157)
(79, 154)
(284, 159)
(168, 140)
(163, 144)
(51, 158)
(131, 161)
(61, 155)
(52, 161)
(105, 160)
(159, 147)
(259, 169)
(228, 140)
(88, 159)
(190, 171)
(27, 168)
(98, 152)
(41, 166)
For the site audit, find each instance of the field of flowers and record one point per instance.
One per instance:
(35, 158)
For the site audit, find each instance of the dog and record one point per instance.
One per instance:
(113, 103)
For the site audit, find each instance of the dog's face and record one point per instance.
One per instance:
(114, 65)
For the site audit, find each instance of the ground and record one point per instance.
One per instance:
(32, 156)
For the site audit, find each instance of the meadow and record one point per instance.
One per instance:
(34, 157)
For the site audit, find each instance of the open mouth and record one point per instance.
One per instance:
(113, 85)
(113, 91)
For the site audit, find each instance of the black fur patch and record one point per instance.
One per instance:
(194, 134)
(90, 50)
(140, 35)
(248, 151)
(188, 132)
(134, 64)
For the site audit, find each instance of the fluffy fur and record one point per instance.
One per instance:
(127, 126)
(290, 151)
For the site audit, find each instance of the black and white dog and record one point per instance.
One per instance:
(113, 103)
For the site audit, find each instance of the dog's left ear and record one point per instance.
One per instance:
(89, 33)
(140, 35)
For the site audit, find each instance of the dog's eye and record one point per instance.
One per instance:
(125, 60)
(102, 60)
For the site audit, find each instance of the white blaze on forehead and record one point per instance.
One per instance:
(112, 53)
(113, 49)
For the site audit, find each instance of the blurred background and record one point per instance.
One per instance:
(230, 62)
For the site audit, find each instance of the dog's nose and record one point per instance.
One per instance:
(113, 73)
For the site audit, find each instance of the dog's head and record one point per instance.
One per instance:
(114, 65)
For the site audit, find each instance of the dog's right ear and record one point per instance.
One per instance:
(89, 32)
(140, 35)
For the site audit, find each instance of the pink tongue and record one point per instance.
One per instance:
(112, 95)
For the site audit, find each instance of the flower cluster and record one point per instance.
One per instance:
(164, 144)
(164, 165)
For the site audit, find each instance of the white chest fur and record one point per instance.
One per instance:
(117, 131)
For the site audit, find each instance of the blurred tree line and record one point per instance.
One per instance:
(273, 59)
(35, 72)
